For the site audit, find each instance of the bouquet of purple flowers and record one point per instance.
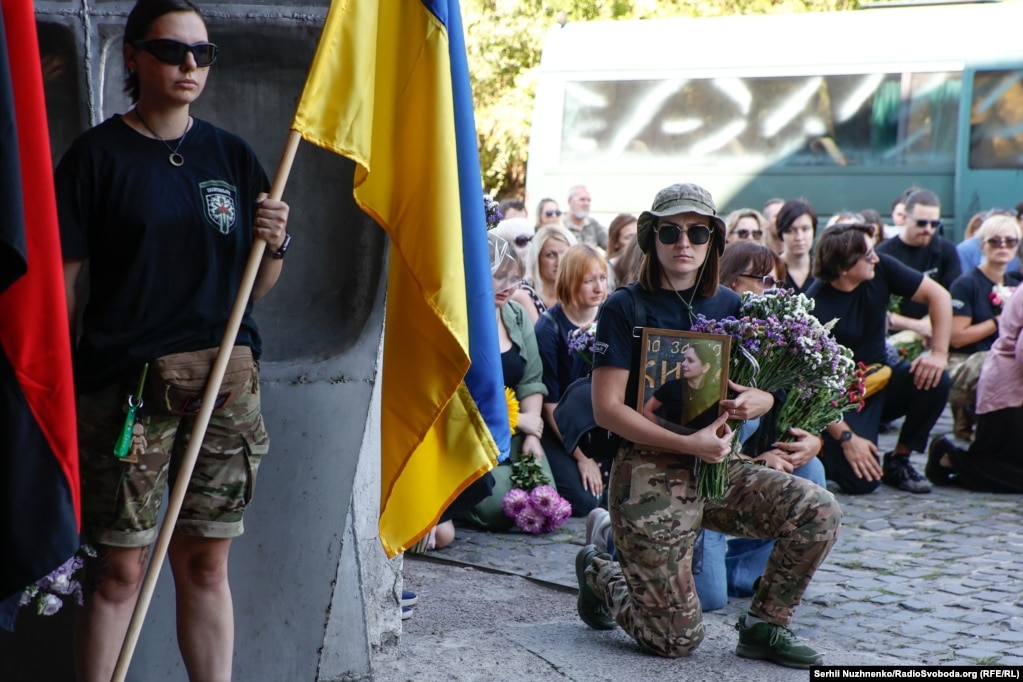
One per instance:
(778, 344)
(492, 211)
(49, 591)
(534, 505)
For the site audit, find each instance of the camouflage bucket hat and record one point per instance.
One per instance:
(680, 198)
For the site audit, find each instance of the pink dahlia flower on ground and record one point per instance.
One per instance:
(531, 520)
(545, 498)
(515, 501)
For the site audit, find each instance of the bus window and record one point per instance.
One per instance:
(792, 121)
(996, 125)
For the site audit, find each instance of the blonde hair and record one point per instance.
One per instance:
(555, 232)
(994, 225)
(577, 261)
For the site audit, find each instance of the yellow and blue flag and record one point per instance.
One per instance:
(389, 89)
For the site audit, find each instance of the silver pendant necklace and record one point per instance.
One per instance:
(175, 159)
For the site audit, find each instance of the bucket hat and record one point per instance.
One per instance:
(680, 198)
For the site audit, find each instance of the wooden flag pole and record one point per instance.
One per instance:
(202, 421)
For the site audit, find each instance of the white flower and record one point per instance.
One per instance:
(49, 604)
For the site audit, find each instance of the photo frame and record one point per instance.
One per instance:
(684, 378)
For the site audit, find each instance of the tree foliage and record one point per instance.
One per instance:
(504, 39)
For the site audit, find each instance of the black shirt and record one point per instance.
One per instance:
(560, 367)
(938, 260)
(862, 312)
(166, 245)
(971, 297)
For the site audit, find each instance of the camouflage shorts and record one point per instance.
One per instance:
(121, 501)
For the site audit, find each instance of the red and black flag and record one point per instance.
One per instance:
(39, 495)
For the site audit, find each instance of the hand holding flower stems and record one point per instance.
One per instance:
(779, 345)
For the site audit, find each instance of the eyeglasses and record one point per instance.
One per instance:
(669, 233)
(507, 281)
(522, 240)
(920, 222)
(175, 52)
(870, 256)
(550, 213)
(999, 242)
(743, 233)
(767, 280)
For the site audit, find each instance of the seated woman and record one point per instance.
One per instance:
(975, 312)
(581, 288)
(730, 567)
(480, 503)
(538, 291)
(797, 225)
(854, 284)
(992, 463)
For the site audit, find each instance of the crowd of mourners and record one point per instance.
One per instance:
(939, 317)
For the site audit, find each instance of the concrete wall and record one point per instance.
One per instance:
(313, 592)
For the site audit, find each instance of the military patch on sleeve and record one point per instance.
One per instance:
(220, 200)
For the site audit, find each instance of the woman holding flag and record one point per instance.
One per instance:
(165, 209)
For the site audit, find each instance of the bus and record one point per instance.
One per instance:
(844, 109)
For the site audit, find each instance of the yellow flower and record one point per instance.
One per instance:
(513, 409)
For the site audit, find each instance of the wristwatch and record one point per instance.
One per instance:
(846, 436)
(279, 253)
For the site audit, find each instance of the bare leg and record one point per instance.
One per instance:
(112, 585)
(205, 613)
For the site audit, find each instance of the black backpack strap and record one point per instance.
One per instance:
(638, 323)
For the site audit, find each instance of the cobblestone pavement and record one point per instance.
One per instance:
(929, 579)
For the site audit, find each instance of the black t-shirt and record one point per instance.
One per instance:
(512, 366)
(664, 310)
(938, 260)
(862, 312)
(166, 245)
(791, 283)
(560, 367)
(971, 298)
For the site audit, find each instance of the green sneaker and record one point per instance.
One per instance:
(775, 643)
(591, 609)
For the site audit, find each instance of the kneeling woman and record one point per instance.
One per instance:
(655, 511)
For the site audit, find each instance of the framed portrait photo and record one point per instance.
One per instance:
(685, 378)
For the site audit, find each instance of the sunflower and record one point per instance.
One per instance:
(513, 409)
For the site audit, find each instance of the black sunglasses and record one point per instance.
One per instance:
(743, 233)
(999, 242)
(522, 240)
(936, 224)
(551, 213)
(175, 52)
(767, 280)
(669, 233)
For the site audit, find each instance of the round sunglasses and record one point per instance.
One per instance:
(175, 52)
(669, 233)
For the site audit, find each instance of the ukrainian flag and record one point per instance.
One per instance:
(389, 89)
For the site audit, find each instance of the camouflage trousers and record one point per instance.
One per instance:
(655, 516)
(121, 500)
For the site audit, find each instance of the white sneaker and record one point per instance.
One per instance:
(598, 525)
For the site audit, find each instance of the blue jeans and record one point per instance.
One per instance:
(729, 568)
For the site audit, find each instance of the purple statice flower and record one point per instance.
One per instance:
(49, 604)
(531, 520)
(514, 502)
(544, 499)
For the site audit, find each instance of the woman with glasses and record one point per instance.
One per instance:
(969, 249)
(539, 291)
(480, 503)
(978, 295)
(853, 287)
(654, 508)
(797, 225)
(165, 208)
(547, 213)
(745, 224)
(582, 288)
